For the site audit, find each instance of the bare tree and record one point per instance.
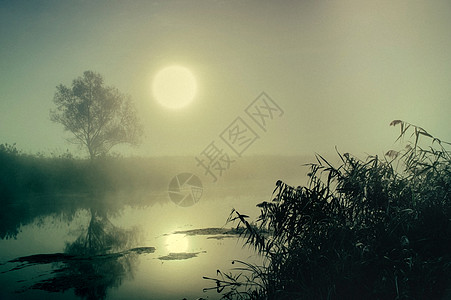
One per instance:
(99, 117)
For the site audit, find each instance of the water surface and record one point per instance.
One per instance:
(95, 247)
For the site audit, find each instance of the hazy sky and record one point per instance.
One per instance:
(340, 70)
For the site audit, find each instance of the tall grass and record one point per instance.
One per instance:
(373, 229)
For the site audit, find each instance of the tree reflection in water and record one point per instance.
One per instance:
(102, 237)
(100, 258)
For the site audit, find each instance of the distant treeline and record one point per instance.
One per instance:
(36, 185)
(25, 174)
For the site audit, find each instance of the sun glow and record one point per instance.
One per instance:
(174, 87)
(177, 243)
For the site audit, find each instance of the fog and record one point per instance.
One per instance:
(341, 71)
(118, 177)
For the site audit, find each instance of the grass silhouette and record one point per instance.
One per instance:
(373, 229)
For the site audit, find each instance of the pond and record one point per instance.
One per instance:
(100, 247)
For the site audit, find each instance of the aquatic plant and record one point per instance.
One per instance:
(375, 229)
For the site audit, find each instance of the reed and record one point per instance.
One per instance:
(373, 229)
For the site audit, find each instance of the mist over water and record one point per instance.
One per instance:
(131, 131)
(122, 235)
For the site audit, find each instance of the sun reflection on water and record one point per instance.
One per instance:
(177, 243)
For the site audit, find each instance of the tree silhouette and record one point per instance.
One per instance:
(99, 117)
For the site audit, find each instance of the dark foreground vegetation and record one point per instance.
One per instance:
(373, 229)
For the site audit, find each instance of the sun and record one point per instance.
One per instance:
(174, 87)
